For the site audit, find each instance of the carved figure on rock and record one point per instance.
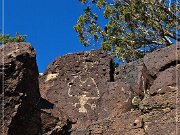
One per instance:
(84, 91)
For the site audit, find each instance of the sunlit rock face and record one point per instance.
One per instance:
(19, 78)
(86, 94)
(161, 110)
(82, 86)
(98, 97)
(21, 110)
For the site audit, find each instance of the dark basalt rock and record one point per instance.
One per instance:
(129, 123)
(85, 94)
(81, 86)
(162, 59)
(135, 74)
(20, 99)
(18, 72)
(161, 108)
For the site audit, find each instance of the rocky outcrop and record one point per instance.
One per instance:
(81, 85)
(18, 96)
(85, 94)
(21, 103)
(129, 123)
(135, 74)
(90, 90)
(161, 112)
(159, 106)
(162, 59)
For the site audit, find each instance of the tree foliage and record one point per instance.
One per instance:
(131, 25)
(7, 38)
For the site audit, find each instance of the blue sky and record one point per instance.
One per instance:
(48, 25)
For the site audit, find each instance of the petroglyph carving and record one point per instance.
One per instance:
(88, 90)
(174, 88)
(125, 92)
(51, 76)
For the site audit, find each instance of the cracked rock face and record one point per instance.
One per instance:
(98, 98)
(84, 94)
(162, 59)
(135, 74)
(81, 85)
(18, 72)
(129, 123)
(161, 109)
(22, 112)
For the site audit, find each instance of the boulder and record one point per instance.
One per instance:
(21, 109)
(161, 108)
(162, 59)
(129, 123)
(134, 74)
(84, 93)
(18, 71)
(169, 77)
(82, 86)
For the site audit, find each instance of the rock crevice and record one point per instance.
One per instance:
(84, 93)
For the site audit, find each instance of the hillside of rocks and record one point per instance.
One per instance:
(86, 93)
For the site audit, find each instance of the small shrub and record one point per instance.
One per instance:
(8, 39)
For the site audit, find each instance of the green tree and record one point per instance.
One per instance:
(131, 25)
(7, 38)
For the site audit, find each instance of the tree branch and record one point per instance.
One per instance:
(171, 35)
(166, 10)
